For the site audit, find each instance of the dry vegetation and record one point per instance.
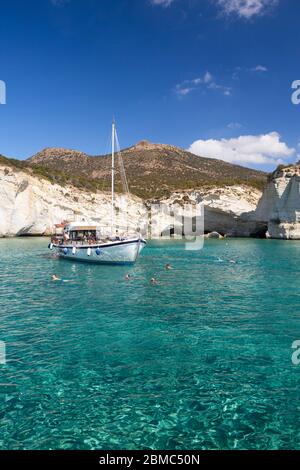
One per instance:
(152, 170)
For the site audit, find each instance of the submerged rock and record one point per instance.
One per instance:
(213, 235)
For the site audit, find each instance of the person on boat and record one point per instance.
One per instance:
(55, 278)
(66, 237)
(168, 267)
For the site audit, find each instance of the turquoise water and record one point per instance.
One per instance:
(200, 361)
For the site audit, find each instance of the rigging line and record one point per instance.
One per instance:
(121, 166)
(108, 144)
(107, 149)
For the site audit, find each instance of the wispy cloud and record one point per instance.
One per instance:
(234, 125)
(163, 3)
(254, 149)
(206, 81)
(58, 3)
(259, 68)
(246, 8)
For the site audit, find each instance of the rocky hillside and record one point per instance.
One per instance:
(153, 170)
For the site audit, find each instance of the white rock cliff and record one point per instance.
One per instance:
(30, 205)
(280, 204)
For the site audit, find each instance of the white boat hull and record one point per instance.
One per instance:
(115, 252)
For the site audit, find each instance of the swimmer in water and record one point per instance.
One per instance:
(127, 277)
(168, 267)
(153, 281)
(58, 279)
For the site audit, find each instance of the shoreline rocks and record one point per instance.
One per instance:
(213, 235)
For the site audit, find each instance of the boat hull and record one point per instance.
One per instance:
(119, 252)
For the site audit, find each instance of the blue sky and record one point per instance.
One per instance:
(210, 75)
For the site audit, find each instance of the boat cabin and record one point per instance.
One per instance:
(82, 233)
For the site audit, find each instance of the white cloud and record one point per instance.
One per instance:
(234, 125)
(183, 91)
(59, 2)
(241, 8)
(207, 77)
(246, 149)
(246, 8)
(206, 81)
(163, 3)
(259, 68)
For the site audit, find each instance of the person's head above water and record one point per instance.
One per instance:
(54, 277)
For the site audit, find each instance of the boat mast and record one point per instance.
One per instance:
(113, 132)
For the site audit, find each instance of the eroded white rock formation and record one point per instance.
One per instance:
(229, 210)
(280, 204)
(32, 206)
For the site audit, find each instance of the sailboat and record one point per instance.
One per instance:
(84, 241)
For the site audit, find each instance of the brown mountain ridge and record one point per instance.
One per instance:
(153, 170)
